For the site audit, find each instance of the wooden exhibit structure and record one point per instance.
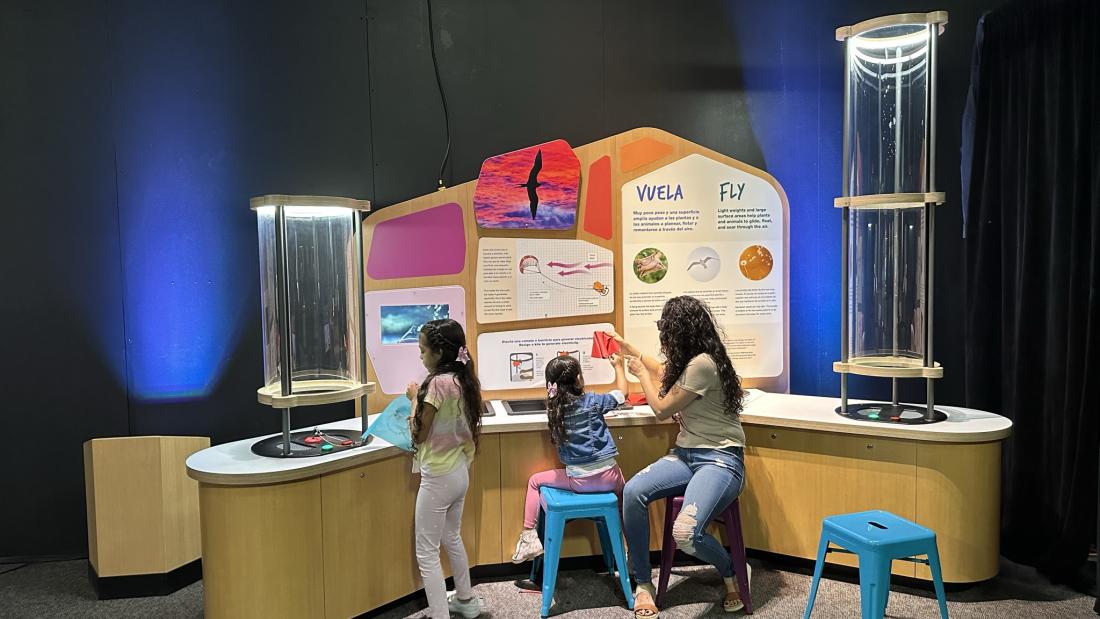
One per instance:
(143, 512)
(333, 536)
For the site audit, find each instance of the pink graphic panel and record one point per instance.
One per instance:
(532, 188)
(393, 323)
(428, 242)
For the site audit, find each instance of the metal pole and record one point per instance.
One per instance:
(930, 221)
(844, 257)
(896, 215)
(286, 431)
(359, 292)
(282, 305)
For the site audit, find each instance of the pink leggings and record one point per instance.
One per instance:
(610, 480)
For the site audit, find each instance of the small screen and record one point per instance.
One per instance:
(401, 323)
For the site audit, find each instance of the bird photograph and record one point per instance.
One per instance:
(533, 183)
(532, 188)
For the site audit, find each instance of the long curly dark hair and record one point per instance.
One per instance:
(687, 329)
(446, 337)
(563, 372)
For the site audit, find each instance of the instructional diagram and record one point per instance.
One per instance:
(524, 279)
(517, 359)
(702, 228)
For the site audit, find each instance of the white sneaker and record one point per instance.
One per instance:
(528, 547)
(467, 608)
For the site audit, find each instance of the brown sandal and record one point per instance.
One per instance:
(644, 607)
(733, 602)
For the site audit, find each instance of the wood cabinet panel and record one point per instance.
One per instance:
(262, 552)
(797, 477)
(959, 497)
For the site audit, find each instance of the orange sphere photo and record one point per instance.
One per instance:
(756, 262)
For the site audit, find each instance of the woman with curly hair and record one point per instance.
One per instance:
(698, 386)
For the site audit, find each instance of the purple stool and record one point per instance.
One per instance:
(731, 517)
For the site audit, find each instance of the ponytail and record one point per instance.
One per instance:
(562, 393)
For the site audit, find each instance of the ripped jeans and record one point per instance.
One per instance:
(709, 479)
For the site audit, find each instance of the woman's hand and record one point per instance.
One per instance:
(628, 348)
(411, 391)
(636, 367)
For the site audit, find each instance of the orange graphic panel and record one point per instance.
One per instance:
(640, 152)
(597, 200)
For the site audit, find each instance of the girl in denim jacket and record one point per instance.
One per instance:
(585, 446)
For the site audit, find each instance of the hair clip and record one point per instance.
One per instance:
(551, 389)
(463, 355)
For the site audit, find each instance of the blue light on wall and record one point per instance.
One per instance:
(187, 236)
(184, 292)
(793, 76)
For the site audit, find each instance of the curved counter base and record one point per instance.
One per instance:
(335, 538)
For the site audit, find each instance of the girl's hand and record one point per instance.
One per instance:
(636, 367)
(411, 391)
(615, 358)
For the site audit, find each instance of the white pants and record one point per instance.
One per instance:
(439, 520)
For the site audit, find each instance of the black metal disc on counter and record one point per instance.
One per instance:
(903, 414)
(310, 443)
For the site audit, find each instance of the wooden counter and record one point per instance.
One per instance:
(333, 536)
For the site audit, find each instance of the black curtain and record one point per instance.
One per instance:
(1033, 269)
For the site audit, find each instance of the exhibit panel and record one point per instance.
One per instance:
(543, 247)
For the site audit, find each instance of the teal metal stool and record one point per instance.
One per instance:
(561, 506)
(877, 538)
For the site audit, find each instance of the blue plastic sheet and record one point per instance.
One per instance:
(392, 425)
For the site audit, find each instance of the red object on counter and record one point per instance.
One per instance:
(636, 399)
(603, 345)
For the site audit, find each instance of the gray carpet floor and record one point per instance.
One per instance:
(61, 590)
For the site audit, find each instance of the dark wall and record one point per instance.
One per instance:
(62, 342)
(134, 133)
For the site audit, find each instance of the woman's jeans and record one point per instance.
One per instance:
(709, 480)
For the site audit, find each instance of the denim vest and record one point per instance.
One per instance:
(587, 438)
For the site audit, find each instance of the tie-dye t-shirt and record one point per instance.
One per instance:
(450, 443)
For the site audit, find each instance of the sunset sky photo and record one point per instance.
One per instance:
(501, 200)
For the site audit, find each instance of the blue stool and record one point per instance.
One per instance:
(877, 538)
(560, 506)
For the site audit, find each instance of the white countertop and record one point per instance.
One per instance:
(235, 464)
